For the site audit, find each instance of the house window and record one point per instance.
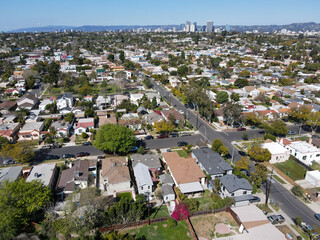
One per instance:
(304, 157)
(232, 194)
(166, 197)
(244, 192)
(148, 187)
(318, 155)
(277, 158)
(80, 130)
(295, 154)
(141, 188)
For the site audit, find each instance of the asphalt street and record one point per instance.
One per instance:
(290, 204)
(196, 139)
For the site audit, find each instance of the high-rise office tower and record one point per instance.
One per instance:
(188, 26)
(193, 27)
(210, 26)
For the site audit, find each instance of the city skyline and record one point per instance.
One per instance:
(20, 14)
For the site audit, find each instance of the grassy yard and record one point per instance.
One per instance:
(182, 153)
(292, 169)
(159, 212)
(300, 231)
(315, 166)
(205, 201)
(160, 231)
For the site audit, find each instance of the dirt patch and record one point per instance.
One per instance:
(205, 225)
(285, 229)
(222, 228)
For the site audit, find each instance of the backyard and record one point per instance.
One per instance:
(215, 225)
(292, 169)
(161, 231)
(158, 212)
(205, 202)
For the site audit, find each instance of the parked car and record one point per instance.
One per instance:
(317, 216)
(8, 162)
(182, 143)
(185, 134)
(46, 146)
(292, 133)
(52, 157)
(82, 154)
(56, 145)
(241, 129)
(67, 155)
(133, 149)
(162, 136)
(149, 137)
(306, 227)
(174, 134)
(86, 144)
(254, 199)
(274, 219)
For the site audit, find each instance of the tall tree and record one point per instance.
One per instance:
(114, 138)
(222, 97)
(259, 154)
(232, 113)
(21, 202)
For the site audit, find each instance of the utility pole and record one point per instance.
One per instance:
(269, 188)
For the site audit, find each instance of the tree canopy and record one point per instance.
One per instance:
(114, 138)
(259, 154)
(20, 203)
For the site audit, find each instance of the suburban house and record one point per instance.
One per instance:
(185, 172)
(178, 116)
(132, 120)
(254, 225)
(9, 130)
(46, 173)
(27, 102)
(31, 131)
(153, 117)
(211, 162)
(83, 125)
(7, 106)
(10, 174)
(76, 177)
(313, 177)
(278, 152)
(44, 103)
(134, 98)
(115, 176)
(237, 188)
(103, 102)
(65, 103)
(143, 178)
(167, 188)
(62, 128)
(303, 151)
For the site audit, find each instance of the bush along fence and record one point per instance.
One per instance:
(156, 220)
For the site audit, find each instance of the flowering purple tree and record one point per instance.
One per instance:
(180, 212)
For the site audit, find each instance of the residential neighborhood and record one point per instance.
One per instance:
(120, 131)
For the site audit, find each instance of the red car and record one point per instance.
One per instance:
(241, 129)
(163, 136)
(82, 154)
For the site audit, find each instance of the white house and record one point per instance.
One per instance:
(313, 177)
(143, 179)
(64, 101)
(237, 188)
(46, 173)
(278, 152)
(62, 128)
(27, 102)
(83, 125)
(134, 98)
(303, 151)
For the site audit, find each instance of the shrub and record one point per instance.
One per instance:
(172, 223)
(245, 136)
(84, 135)
(180, 212)
(299, 238)
(269, 136)
(297, 191)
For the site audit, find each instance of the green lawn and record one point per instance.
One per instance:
(205, 201)
(160, 231)
(292, 169)
(182, 153)
(315, 166)
(159, 212)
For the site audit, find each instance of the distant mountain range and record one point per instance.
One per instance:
(240, 28)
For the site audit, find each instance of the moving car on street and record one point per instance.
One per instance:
(182, 143)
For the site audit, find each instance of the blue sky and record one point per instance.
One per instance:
(21, 13)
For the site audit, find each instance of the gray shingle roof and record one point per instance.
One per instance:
(166, 190)
(142, 175)
(149, 160)
(10, 173)
(212, 162)
(232, 183)
(166, 179)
